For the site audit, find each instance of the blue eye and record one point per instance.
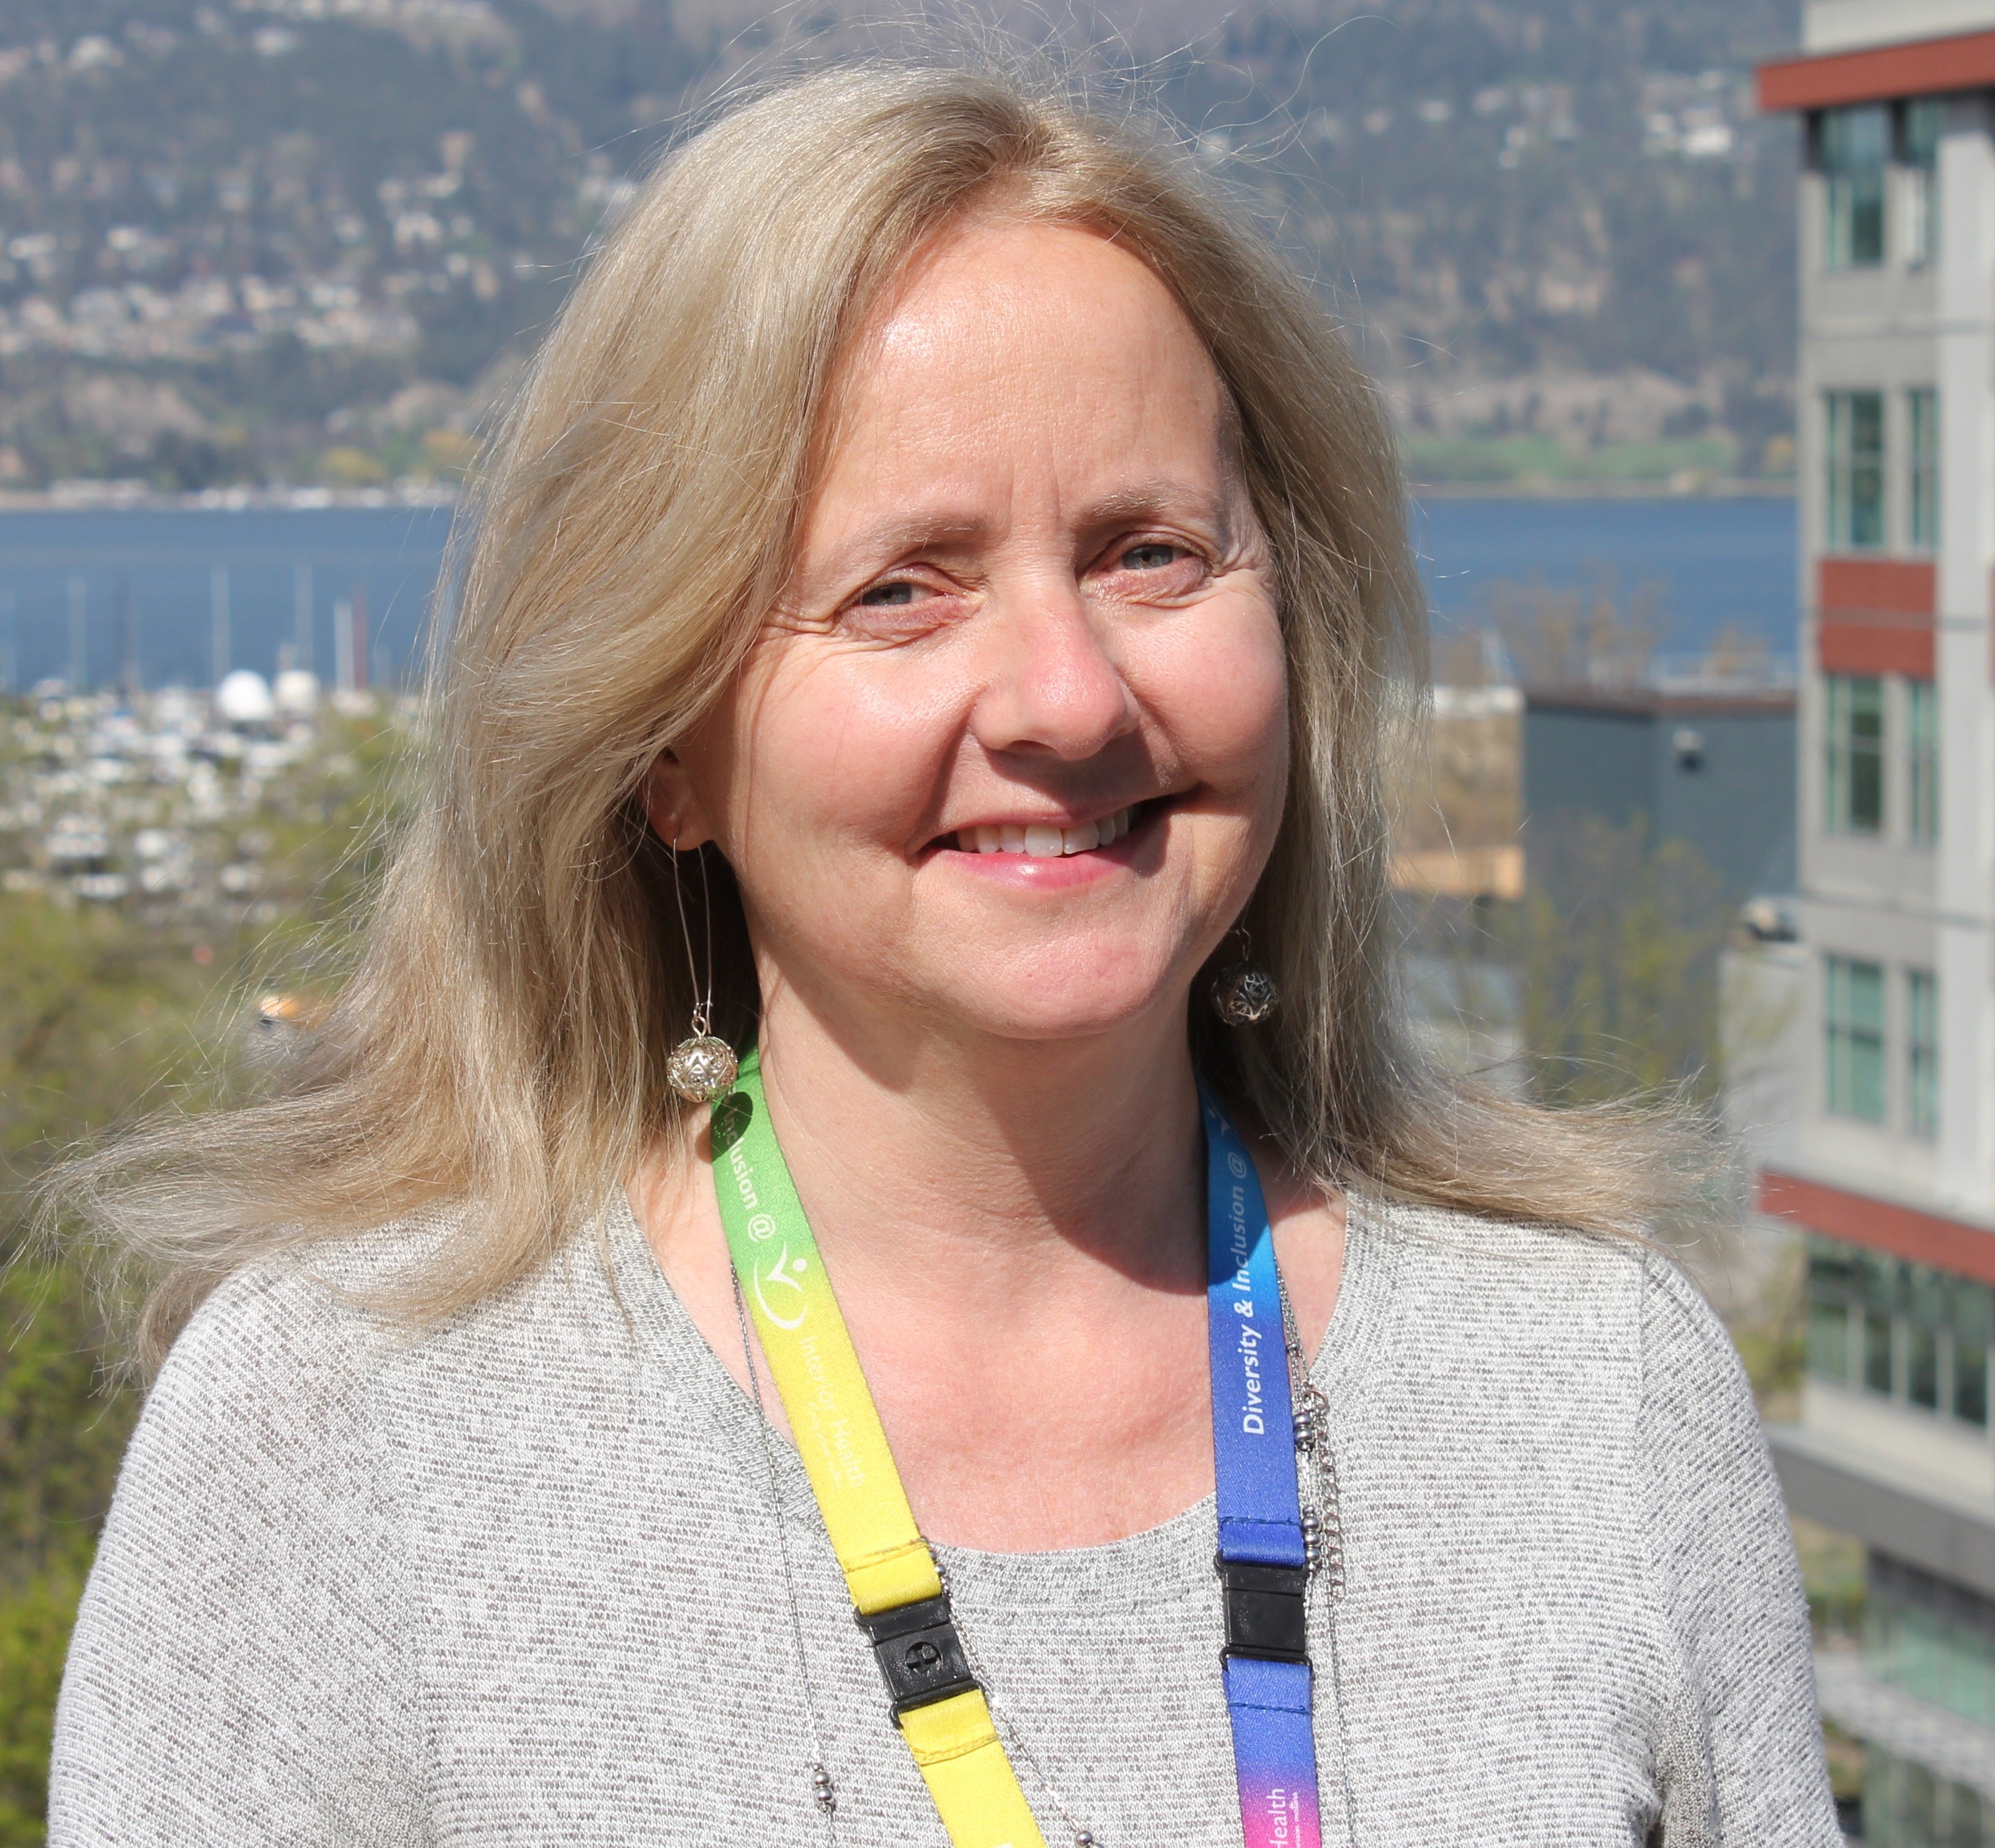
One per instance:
(1149, 558)
(888, 596)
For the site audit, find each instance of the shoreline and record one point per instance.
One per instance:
(117, 497)
(1740, 488)
(121, 497)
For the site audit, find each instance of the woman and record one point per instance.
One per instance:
(931, 620)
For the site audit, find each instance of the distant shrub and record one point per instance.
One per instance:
(349, 468)
(34, 1625)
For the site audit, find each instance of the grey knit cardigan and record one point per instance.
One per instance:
(518, 1580)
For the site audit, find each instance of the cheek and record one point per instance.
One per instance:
(823, 759)
(1222, 692)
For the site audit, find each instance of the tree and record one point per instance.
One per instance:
(1616, 950)
(1583, 636)
(106, 1011)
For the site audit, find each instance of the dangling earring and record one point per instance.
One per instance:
(701, 1067)
(1244, 994)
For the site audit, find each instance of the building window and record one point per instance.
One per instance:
(1854, 1015)
(1972, 1326)
(1919, 128)
(1851, 1296)
(1828, 1354)
(1921, 1053)
(1852, 147)
(1924, 420)
(1855, 470)
(1855, 738)
(1924, 1330)
(1907, 1805)
(1935, 1640)
(1880, 1375)
(1902, 1332)
(1922, 761)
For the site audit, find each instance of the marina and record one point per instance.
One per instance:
(142, 597)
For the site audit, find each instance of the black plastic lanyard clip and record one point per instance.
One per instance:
(920, 1655)
(1267, 1610)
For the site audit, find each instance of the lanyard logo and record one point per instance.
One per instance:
(783, 1275)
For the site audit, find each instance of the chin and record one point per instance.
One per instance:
(1062, 1011)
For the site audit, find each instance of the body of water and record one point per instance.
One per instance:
(173, 594)
(1712, 564)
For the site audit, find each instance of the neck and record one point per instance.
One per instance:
(934, 1161)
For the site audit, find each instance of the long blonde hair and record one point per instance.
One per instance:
(501, 1045)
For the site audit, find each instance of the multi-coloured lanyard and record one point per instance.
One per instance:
(898, 1595)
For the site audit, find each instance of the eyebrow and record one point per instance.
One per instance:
(896, 535)
(1150, 497)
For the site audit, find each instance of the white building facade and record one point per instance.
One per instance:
(1888, 1158)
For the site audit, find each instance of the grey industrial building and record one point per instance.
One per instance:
(1715, 769)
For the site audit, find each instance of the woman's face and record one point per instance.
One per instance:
(1012, 756)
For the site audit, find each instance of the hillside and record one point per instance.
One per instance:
(306, 240)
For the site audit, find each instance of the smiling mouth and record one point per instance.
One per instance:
(1043, 840)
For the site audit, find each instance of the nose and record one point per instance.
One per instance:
(1053, 686)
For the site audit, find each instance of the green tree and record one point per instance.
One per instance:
(1616, 950)
(35, 1625)
(64, 1417)
(104, 1013)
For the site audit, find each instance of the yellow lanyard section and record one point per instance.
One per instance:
(888, 1569)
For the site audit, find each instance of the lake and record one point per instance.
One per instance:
(1713, 564)
(181, 591)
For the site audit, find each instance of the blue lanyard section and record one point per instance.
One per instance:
(1253, 1413)
(1260, 1505)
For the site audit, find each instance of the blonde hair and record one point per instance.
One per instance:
(501, 1045)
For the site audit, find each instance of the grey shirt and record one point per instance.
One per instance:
(517, 1579)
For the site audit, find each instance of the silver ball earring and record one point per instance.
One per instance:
(702, 1066)
(1244, 993)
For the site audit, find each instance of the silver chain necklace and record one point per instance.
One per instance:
(824, 1794)
(1320, 1544)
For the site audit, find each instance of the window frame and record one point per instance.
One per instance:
(1922, 762)
(1922, 1054)
(1853, 147)
(1920, 123)
(1857, 1080)
(1922, 469)
(1854, 508)
(1867, 1312)
(1853, 760)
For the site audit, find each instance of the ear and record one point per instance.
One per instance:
(670, 806)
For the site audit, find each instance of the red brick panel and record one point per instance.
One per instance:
(1877, 586)
(1849, 645)
(1876, 615)
(1967, 1251)
(1882, 73)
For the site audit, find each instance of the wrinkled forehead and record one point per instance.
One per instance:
(1002, 312)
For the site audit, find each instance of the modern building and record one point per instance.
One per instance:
(1714, 768)
(1887, 1157)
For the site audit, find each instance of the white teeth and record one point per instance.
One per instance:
(1043, 841)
